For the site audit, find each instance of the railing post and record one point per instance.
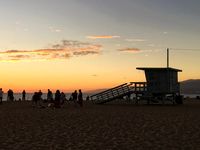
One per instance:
(123, 90)
(112, 93)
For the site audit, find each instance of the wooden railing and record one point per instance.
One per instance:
(138, 87)
(112, 93)
(120, 91)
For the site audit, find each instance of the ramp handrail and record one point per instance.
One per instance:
(111, 93)
(109, 89)
(120, 91)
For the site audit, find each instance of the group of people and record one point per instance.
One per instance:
(77, 97)
(37, 97)
(57, 101)
(10, 95)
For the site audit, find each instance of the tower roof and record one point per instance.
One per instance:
(160, 69)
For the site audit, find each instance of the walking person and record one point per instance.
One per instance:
(23, 95)
(80, 98)
(1, 96)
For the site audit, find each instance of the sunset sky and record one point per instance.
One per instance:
(94, 44)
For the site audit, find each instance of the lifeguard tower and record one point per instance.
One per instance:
(161, 85)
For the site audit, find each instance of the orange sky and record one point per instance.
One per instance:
(90, 44)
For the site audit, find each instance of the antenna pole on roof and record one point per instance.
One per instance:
(167, 57)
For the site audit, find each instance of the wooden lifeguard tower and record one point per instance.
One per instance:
(161, 85)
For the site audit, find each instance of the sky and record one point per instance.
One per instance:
(93, 44)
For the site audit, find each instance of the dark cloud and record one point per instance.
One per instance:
(19, 56)
(65, 55)
(71, 44)
(13, 51)
(132, 50)
(83, 53)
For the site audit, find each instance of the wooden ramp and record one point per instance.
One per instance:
(119, 92)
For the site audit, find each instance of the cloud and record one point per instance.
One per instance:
(135, 40)
(12, 51)
(94, 75)
(17, 23)
(63, 50)
(151, 45)
(26, 29)
(19, 56)
(83, 53)
(94, 37)
(131, 50)
(52, 29)
(118, 45)
(57, 30)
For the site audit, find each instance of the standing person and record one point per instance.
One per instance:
(57, 99)
(23, 95)
(74, 97)
(62, 98)
(39, 95)
(49, 96)
(35, 99)
(1, 95)
(10, 96)
(80, 98)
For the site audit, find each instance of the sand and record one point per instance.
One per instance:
(118, 126)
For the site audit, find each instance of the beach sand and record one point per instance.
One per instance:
(111, 126)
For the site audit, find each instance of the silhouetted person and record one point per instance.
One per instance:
(80, 98)
(1, 95)
(23, 95)
(50, 96)
(35, 98)
(40, 96)
(74, 97)
(62, 98)
(57, 99)
(10, 96)
(71, 98)
(87, 98)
